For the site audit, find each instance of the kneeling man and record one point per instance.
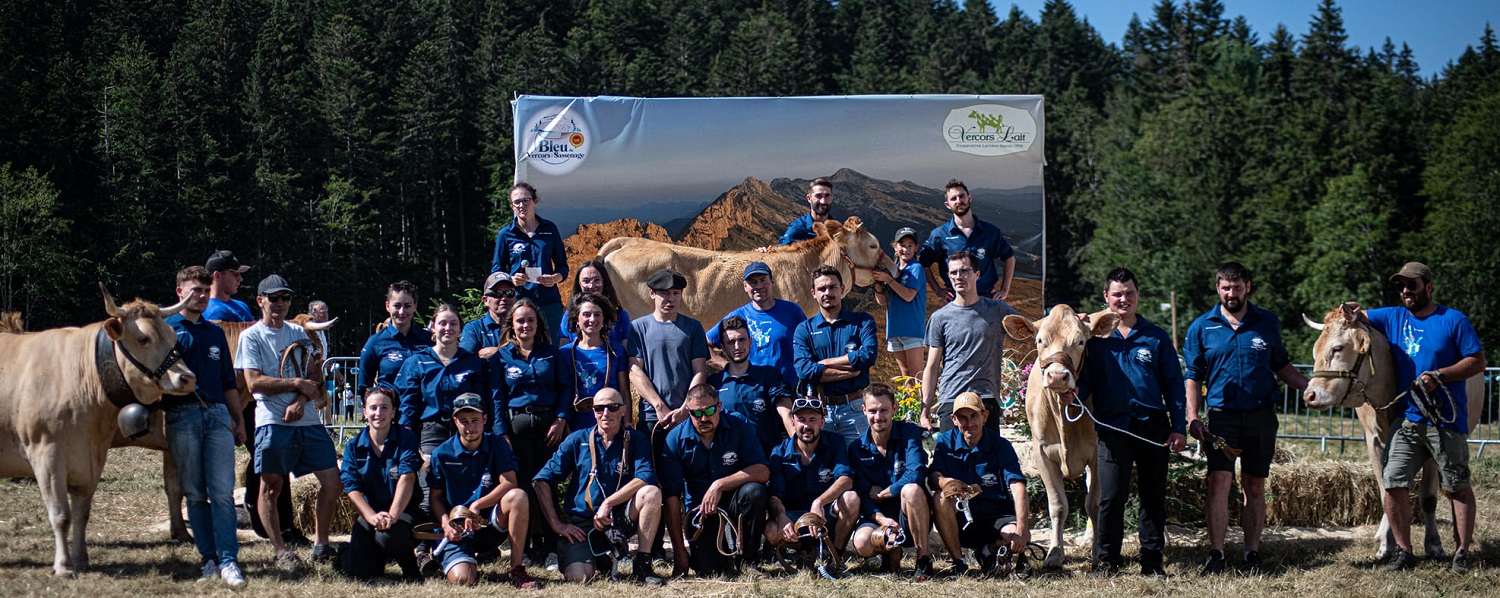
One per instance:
(889, 466)
(608, 471)
(810, 474)
(972, 469)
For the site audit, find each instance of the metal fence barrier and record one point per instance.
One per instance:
(343, 416)
(1340, 425)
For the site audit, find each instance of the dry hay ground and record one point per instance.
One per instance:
(132, 557)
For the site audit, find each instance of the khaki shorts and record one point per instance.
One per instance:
(1411, 444)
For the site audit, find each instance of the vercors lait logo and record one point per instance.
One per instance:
(989, 130)
(557, 142)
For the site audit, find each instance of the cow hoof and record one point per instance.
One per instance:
(61, 572)
(1054, 558)
(1434, 551)
(1382, 553)
(182, 537)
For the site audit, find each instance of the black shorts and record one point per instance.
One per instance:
(893, 505)
(984, 531)
(1253, 431)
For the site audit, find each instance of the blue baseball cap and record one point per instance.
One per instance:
(756, 268)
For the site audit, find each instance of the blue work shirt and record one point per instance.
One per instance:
(480, 333)
(1134, 377)
(513, 247)
(1236, 366)
(541, 380)
(904, 462)
(427, 387)
(770, 335)
(232, 310)
(993, 465)
(908, 318)
(375, 474)
(381, 359)
(593, 370)
(816, 339)
(206, 354)
(619, 334)
(687, 467)
(752, 398)
(465, 476)
(985, 241)
(573, 463)
(800, 229)
(1420, 345)
(798, 484)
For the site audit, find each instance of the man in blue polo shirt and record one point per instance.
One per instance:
(810, 473)
(1136, 385)
(714, 469)
(819, 204)
(966, 456)
(966, 232)
(203, 428)
(890, 467)
(532, 242)
(754, 393)
(1432, 346)
(1234, 354)
(833, 352)
(228, 273)
(482, 336)
(613, 485)
(770, 322)
(477, 470)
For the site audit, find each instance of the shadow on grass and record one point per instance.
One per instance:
(1277, 557)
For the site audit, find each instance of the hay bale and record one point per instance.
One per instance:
(305, 501)
(1320, 493)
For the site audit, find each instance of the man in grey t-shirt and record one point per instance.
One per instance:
(967, 339)
(668, 354)
(289, 435)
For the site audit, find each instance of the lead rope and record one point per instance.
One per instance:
(1427, 402)
(1084, 410)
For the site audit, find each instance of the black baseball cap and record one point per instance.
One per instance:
(224, 259)
(273, 284)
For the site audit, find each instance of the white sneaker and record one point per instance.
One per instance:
(210, 571)
(232, 575)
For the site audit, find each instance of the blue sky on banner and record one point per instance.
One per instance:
(1437, 30)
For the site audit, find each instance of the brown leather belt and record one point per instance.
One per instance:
(841, 399)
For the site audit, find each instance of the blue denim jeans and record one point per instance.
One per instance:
(204, 451)
(847, 420)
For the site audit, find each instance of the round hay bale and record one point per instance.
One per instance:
(305, 502)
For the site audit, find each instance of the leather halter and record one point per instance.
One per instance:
(1351, 374)
(848, 261)
(112, 379)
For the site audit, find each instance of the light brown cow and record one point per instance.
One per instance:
(714, 277)
(1352, 368)
(1065, 449)
(56, 413)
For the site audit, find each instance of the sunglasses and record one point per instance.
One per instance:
(704, 412)
(612, 407)
(801, 404)
(1411, 285)
(279, 297)
(505, 294)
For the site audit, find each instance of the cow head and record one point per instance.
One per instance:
(1341, 361)
(144, 340)
(1060, 340)
(860, 253)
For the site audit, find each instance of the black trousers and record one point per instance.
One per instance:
(1118, 454)
(748, 506)
(528, 439)
(252, 486)
(431, 434)
(369, 549)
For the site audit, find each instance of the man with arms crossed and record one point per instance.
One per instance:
(833, 352)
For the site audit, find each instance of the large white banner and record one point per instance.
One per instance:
(730, 173)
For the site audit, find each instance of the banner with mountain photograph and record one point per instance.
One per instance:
(732, 173)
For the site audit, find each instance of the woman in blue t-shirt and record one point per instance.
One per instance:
(593, 278)
(597, 362)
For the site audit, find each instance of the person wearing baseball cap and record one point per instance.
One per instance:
(773, 320)
(476, 470)
(228, 274)
(810, 473)
(1435, 349)
(482, 335)
(906, 313)
(974, 456)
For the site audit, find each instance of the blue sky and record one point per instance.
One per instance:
(1437, 30)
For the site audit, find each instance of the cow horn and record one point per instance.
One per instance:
(172, 310)
(109, 303)
(317, 326)
(1311, 324)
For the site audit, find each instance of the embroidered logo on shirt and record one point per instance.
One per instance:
(731, 458)
(518, 247)
(851, 345)
(485, 480)
(1143, 356)
(213, 353)
(979, 253)
(512, 373)
(758, 406)
(393, 472)
(459, 377)
(898, 467)
(1259, 344)
(989, 479)
(393, 356)
(825, 475)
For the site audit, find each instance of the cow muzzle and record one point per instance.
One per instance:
(1058, 369)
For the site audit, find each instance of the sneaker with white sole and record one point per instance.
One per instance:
(210, 571)
(232, 575)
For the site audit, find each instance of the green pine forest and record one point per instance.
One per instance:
(347, 144)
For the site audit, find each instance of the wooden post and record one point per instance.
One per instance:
(1174, 323)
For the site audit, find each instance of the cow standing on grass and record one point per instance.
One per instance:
(57, 428)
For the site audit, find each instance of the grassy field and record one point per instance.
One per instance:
(131, 556)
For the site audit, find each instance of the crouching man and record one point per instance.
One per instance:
(972, 469)
(475, 496)
(810, 475)
(889, 466)
(614, 493)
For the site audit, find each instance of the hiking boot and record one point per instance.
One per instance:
(1215, 564)
(1402, 560)
(1022, 569)
(1104, 569)
(426, 565)
(642, 572)
(986, 561)
(210, 571)
(957, 569)
(1151, 564)
(324, 553)
(1252, 564)
(288, 561)
(232, 575)
(923, 572)
(1461, 563)
(520, 580)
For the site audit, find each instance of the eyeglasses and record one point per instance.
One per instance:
(704, 412)
(521, 201)
(801, 404)
(505, 294)
(287, 297)
(612, 407)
